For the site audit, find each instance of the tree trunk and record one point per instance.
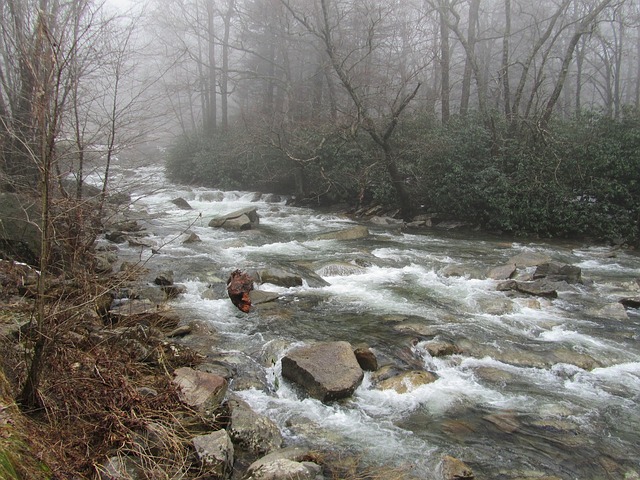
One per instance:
(211, 79)
(506, 92)
(445, 61)
(583, 28)
(474, 13)
(224, 80)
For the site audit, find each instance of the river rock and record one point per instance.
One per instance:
(442, 348)
(200, 390)
(280, 277)
(215, 451)
(327, 371)
(453, 469)
(386, 221)
(580, 360)
(529, 259)
(174, 291)
(285, 464)
(103, 262)
(558, 272)
(258, 297)
(502, 272)
(630, 302)
(407, 381)
(454, 270)
(141, 242)
(353, 233)
(252, 431)
(164, 278)
(181, 203)
(611, 311)
(244, 219)
(540, 288)
(366, 359)
(190, 237)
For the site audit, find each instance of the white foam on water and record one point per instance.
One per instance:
(340, 425)
(292, 249)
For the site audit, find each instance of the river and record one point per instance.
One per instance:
(543, 388)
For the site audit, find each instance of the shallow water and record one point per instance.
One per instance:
(543, 387)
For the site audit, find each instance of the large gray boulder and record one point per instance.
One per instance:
(407, 381)
(558, 272)
(327, 371)
(529, 259)
(244, 219)
(452, 468)
(278, 276)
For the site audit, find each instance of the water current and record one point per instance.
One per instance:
(542, 388)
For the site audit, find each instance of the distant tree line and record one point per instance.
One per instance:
(519, 116)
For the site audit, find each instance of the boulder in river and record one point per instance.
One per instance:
(244, 219)
(558, 272)
(327, 371)
(181, 203)
(539, 288)
(280, 277)
(529, 259)
(353, 233)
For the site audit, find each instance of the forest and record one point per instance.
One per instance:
(519, 117)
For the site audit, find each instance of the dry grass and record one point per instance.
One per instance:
(106, 389)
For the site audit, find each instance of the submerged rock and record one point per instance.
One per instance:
(327, 371)
(502, 272)
(366, 359)
(529, 259)
(453, 469)
(244, 219)
(407, 381)
(181, 203)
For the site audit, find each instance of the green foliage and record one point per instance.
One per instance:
(581, 179)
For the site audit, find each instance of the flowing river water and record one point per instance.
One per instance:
(542, 389)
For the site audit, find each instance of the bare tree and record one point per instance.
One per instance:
(327, 26)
